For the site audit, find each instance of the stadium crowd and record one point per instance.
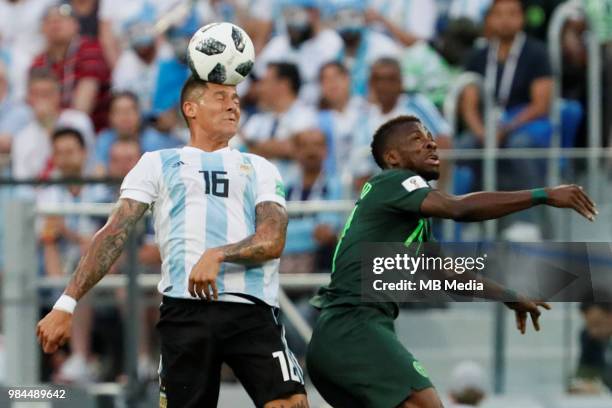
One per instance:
(87, 86)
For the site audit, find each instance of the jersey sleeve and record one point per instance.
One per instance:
(406, 190)
(142, 182)
(270, 185)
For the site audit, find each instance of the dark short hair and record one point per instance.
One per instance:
(124, 94)
(62, 132)
(389, 61)
(496, 2)
(289, 72)
(336, 64)
(190, 84)
(588, 305)
(384, 134)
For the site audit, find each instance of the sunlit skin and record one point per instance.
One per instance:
(124, 117)
(213, 113)
(412, 147)
(386, 85)
(311, 149)
(123, 156)
(68, 156)
(44, 98)
(59, 29)
(335, 87)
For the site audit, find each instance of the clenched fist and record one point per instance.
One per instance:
(53, 331)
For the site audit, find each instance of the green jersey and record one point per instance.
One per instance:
(388, 210)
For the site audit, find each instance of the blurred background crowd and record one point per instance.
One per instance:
(87, 86)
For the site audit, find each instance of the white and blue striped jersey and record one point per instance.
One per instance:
(203, 200)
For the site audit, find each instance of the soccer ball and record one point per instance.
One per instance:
(221, 53)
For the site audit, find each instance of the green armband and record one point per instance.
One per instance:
(539, 196)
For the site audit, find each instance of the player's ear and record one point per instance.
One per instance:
(392, 158)
(189, 109)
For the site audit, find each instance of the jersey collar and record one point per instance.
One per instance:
(222, 150)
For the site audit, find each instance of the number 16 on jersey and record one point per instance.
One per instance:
(216, 183)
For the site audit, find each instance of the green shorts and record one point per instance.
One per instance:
(355, 359)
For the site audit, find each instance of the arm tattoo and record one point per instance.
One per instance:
(105, 247)
(267, 242)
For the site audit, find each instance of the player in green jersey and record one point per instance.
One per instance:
(354, 358)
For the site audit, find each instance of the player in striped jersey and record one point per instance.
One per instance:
(220, 224)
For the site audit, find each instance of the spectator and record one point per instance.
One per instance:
(457, 40)
(307, 44)
(172, 69)
(386, 86)
(137, 69)
(268, 133)
(362, 46)
(64, 240)
(254, 16)
(468, 385)
(126, 124)
(114, 16)
(407, 21)
(525, 93)
(20, 38)
(14, 116)
(31, 147)
(425, 72)
(574, 80)
(172, 72)
(339, 113)
(311, 238)
(123, 155)
(86, 12)
(77, 62)
(595, 365)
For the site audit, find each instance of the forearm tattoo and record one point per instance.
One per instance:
(105, 247)
(267, 242)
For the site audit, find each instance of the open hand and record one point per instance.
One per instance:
(53, 331)
(572, 196)
(526, 306)
(203, 276)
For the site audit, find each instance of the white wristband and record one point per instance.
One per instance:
(65, 303)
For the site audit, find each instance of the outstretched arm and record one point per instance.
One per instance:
(54, 329)
(105, 247)
(483, 206)
(265, 244)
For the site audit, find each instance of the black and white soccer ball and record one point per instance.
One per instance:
(222, 53)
